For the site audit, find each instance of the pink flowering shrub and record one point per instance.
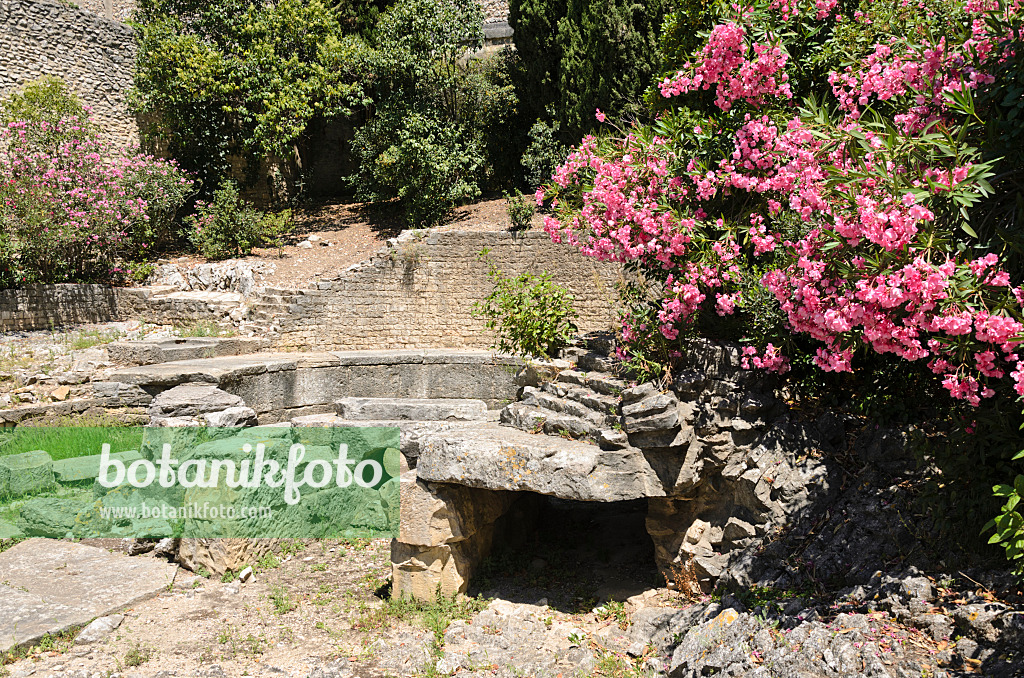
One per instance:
(71, 211)
(846, 218)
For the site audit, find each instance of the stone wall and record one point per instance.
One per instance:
(94, 55)
(420, 293)
(119, 10)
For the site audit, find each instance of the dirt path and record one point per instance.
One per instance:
(347, 234)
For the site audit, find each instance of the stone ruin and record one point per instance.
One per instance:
(712, 454)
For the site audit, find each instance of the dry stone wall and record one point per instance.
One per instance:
(421, 293)
(94, 55)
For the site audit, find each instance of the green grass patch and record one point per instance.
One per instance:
(66, 442)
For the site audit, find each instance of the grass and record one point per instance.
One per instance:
(281, 600)
(203, 328)
(68, 442)
(435, 616)
(90, 338)
(137, 655)
(250, 645)
(59, 642)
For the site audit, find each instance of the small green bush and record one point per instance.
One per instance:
(230, 226)
(520, 212)
(53, 112)
(1008, 526)
(530, 315)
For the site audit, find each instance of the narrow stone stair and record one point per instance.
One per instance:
(578, 404)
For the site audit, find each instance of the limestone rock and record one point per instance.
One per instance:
(499, 458)
(231, 417)
(220, 555)
(192, 399)
(411, 409)
(433, 513)
(99, 629)
(26, 473)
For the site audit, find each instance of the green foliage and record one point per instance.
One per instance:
(419, 158)
(441, 127)
(1008, 526)
(530, 315)
(545, 151)
(581, 55)
(520, 212)
(223, 81)
(230, 226)
(48, 100)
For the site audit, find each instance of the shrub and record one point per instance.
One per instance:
(580, 55)
(520, 212)
(225, 82)
(53, 112)
(230, 227)
(75, 212)
(424, 144)
(419, 158)
(530, 315)
(544, 153)
(1008, 526)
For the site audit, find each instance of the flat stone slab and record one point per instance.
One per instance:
(87, 468)
(412, 409)
(500, 458)
(185, 348)
(49, 586)
(26, 473)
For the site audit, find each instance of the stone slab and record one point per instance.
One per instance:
(87, 468)
(412, 409)
(26, 473)
(50, 586)
(500, 458)
(184, 348)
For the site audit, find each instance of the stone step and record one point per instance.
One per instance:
(496, 457)
(545, 400)
(597, 381)
(536, 420)
(608, 405)
(592, 361)
(410, 432)
(412, 409)
(280, 291)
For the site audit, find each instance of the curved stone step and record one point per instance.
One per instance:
(412, 409)
(547, 401)
(501, 458)
(597, 381)
(592, 361)
(533, 419)
(605, 404)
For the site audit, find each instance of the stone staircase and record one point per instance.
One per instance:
(580, 403)
(273, 303)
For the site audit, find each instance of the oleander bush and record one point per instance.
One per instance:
(71, 208)
(835, 185)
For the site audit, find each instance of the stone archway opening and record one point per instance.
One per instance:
(573, 555)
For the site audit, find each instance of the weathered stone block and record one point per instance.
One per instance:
(433, 514)
(412, 409)
(421, 572)
(87, 468)
(26, 473)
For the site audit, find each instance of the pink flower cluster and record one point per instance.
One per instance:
(739, 72)
(864, 269)
(69, 210)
